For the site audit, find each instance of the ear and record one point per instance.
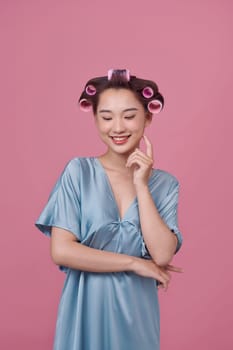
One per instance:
(148, 117)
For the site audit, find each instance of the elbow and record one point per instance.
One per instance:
(162, 259)
(61, 245)
(57, 255)
(56, 258)
(162, 262)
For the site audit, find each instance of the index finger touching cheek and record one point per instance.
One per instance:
(149, 148)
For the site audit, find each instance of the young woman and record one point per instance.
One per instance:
(113, 225)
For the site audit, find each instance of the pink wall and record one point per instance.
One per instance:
(49, 48)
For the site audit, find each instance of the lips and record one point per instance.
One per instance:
(120, 140)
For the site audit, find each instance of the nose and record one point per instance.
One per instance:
(118, 125)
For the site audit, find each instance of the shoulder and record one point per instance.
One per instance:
(74, 164)
(79, 166)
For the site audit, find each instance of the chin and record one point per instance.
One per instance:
(123, 150)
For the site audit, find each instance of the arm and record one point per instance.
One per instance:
(160, 241)
(66, 251)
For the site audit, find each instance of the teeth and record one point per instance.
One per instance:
(120, 138)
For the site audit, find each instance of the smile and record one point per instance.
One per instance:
(119, 140)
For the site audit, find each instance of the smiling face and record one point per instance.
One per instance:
(121, 120)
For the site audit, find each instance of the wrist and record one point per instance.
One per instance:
(141, 187)
(132, 263)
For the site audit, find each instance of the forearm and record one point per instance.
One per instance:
(159, 239)
(78, 256)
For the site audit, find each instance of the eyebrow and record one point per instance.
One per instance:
(125, 110)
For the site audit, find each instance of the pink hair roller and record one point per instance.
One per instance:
(147, 92)
(126, 73)
(85, 105)
(154, 106)
(90, 90)
(110, 73)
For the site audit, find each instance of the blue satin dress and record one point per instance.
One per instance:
(106, 311)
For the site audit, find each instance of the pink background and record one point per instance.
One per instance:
(49, 49)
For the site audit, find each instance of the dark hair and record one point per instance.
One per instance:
(119, 80)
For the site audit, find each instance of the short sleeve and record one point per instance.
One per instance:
(169, 211)
(63, 206)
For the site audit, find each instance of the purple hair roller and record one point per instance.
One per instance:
(154, 106)
(85, 105)
(90, 90)
(125, 72)
(147, 92)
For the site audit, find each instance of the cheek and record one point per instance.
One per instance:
(102, 128)
(139, 126)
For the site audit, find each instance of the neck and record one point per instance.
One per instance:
(115, 160)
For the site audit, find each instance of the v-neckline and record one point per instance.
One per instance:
(107, 181)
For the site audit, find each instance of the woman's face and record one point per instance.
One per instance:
(121, 120)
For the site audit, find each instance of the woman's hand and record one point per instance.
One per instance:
(148, 268)
(142, 163)
(169, 268)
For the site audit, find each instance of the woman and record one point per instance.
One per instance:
(113, 225)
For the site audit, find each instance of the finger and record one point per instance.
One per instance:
(137, 159)
(139, 156)
(139, 152)
(166, 287)
(163, 286)
(161, 279)
(174, 268)
(164, 277)
(167, 276)
(149, 148)
(145, 155)
(130, 157)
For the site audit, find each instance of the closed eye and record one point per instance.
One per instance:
(106, 118)
(130, 117)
